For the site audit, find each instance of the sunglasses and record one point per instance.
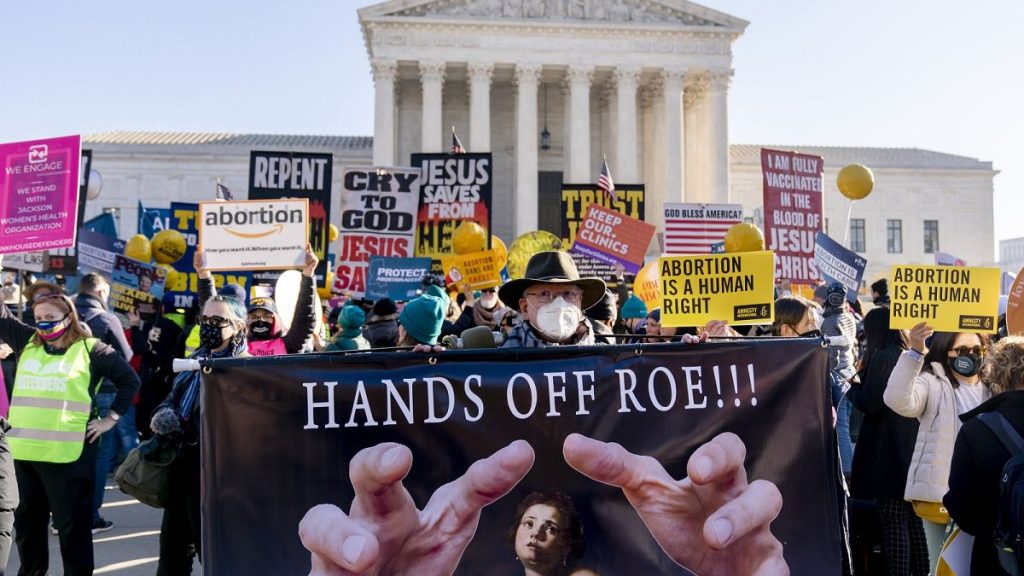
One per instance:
(215, 321)
(46, 296)
(972, 350)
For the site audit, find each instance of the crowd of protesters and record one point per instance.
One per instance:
(913, 456)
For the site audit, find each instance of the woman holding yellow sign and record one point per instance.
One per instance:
(936, 385)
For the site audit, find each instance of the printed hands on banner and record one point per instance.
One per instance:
(713, 522)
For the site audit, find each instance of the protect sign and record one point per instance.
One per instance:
(949, 299)
(39, 194)
(254, 234)
(613, 238)
(737, 288)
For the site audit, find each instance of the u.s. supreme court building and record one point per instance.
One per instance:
(550, 87)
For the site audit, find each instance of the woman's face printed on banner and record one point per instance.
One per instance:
(540, 539)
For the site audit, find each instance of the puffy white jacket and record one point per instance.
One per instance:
(927, 396)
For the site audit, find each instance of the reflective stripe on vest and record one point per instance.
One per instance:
(192, 342)
(50, 405)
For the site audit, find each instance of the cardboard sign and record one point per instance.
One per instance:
(792, 212)
(698, 228)
(1015, 306)
(453, 188)
(378, 218)
(613, 238)
(135, 286)
(397, 278)
(576, 200)
(254, 234)
(477, 270)
(39, 194)
(948, 298)
(837, 264)
(26, 261)
(98, 252)
(737, 288)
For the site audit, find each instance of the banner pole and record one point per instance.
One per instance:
(846, 234)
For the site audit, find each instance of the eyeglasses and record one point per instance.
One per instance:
(972, 350)
(45, 296)
(215, 321)
(488, 290)
(549, 296)
(268, 317)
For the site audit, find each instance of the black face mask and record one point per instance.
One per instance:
(210, 337)
(966, 366)
(260, 330)
(811, 334)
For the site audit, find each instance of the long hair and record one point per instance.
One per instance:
(878, 335)
(942, 343)
(48, 293)
(560, 501)
(789, 311)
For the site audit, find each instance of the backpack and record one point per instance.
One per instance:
(1009, 534)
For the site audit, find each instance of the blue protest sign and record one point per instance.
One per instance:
(153, 220)
(837, 264)
(97, 252)
(396, 278)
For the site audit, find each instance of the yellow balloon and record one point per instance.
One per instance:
(172, 279)
(526, 246)
(168, 246)
(332, 233)
(744, 237)
(325, 291)
(500, 252)
(139, 248)
(855, 181)
(469, 237)
(647, 285)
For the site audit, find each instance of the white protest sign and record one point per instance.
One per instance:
(254, 234)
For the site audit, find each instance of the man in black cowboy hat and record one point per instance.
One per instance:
(551, 298)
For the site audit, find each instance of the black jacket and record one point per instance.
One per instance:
(382, 331)
(303, 320)
(886, 443)
(978, 459)
(105, 327)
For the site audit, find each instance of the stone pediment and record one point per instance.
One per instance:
(664, 12)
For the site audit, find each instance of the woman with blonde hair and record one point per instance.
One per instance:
(979, 454)
(55, 426)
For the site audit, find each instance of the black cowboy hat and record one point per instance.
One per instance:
(554, 268)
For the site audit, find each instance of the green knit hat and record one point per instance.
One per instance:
(634, 308)
(422, 317)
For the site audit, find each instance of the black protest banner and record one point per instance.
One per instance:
(65, 260)
(453, 188)
(576, 198)
(307, 175)
(278, 436)
(378, 218)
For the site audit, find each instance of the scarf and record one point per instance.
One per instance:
(485, 317)
(190, 380)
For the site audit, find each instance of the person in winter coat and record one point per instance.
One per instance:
(265, 330)
(222, 335)
(884, 449)
(155, 343)
(973, 499)
(602, 317)
(936, 385)
(382, 324)
(350, 335)
(53, 400)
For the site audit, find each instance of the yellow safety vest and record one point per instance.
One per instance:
(192, 341)
(50, 405)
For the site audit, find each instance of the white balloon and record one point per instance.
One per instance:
(95, 183)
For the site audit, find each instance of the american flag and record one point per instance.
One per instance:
(693, 228)
(456, 143)
(605, 182)
(223, 193)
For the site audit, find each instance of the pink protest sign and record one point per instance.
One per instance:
(39, 194)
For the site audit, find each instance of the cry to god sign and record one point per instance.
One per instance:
(949, 299)
(737, 288)
(254, 234)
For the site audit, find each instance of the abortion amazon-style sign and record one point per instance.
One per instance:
(378, 218)
(310, 414)
(254, 234)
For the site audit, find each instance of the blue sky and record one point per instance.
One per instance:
(937, 74)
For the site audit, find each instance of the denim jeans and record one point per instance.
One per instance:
(123, 436)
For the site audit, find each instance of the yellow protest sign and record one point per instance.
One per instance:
(737, 288)
(476, 270)
(948, 298)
